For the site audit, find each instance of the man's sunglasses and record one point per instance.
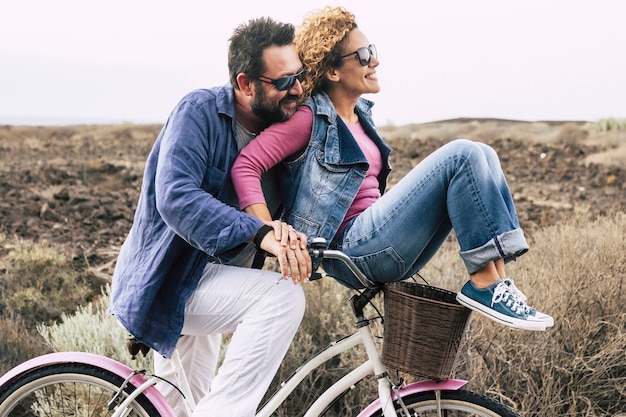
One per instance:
(364, 54)
(284, 83)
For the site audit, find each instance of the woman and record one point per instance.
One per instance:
(337, 166)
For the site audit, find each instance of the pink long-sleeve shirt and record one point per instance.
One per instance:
(283, 140)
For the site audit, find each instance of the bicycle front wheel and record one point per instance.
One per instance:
(68, 389)
(453, 404)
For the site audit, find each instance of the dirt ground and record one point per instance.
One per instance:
(78, 185)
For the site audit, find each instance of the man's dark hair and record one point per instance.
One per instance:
(249, 40)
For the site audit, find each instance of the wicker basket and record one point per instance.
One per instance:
(424, 326)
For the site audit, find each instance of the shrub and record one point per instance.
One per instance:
(572, 133)
(17, 344)
(91, 329)
(328, 318)
(607, 124)
(38, 284)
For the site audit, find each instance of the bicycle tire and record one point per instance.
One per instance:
(458, 403)
(68, 389)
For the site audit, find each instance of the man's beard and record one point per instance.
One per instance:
(270, 111)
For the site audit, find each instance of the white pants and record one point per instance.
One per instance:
(263, 316)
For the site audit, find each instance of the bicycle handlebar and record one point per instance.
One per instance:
(318, 250)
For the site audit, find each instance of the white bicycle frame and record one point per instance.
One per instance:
(373, 366)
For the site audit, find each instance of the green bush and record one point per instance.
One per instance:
(91, 329)
(607, 124)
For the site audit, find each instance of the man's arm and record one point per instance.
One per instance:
(188, 178)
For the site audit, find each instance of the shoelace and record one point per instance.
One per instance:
(519, 296)
(511, 284)
(503, 294)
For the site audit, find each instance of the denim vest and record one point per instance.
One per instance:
(323, 182)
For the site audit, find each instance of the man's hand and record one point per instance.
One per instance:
(290, 248)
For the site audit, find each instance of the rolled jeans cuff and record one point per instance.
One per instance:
(507, 246)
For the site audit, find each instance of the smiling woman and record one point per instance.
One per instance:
(337, 167)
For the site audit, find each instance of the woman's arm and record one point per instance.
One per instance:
(274, 144)
(260, 211)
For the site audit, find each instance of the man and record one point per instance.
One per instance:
(182, 277)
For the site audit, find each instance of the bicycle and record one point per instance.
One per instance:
(76, 384)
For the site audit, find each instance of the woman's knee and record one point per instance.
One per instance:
(466, 146)
(477, 151)
(487, 150)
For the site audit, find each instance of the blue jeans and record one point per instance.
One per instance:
(459, 187)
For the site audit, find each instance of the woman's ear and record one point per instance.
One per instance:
(332, 74)
(245, 83)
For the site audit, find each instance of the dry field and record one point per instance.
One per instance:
(78, 185)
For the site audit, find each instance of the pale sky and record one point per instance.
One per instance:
(132, 60)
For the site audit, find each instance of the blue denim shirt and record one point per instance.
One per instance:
(324, 181)
(181, 222)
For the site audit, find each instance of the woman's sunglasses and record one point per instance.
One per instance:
(364, 54)
(284, 83)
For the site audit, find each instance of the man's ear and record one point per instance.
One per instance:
(245, 83)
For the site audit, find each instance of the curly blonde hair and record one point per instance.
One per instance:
(317, 39)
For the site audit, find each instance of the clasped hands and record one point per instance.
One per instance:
(290, 248)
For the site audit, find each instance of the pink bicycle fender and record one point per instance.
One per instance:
(420, 386)
(114, 366)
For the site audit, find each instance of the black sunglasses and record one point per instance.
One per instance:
(284, 83)
(364, 54)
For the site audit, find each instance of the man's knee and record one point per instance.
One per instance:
(293, 300)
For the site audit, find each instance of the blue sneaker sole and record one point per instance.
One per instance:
(521, 324)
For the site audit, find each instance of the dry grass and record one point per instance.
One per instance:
(480, 130)
(575, 272)
(38, 284)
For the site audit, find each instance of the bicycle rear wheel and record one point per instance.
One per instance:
(453, 404)
(68, 389)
